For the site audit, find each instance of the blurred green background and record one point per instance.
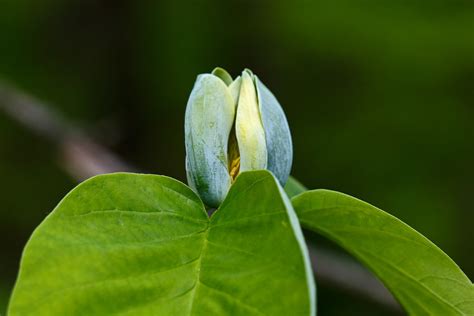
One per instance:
(379, 96)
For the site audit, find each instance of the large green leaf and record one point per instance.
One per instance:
(133, 244)
(420, 275)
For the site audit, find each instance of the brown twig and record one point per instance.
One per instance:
(80, 156)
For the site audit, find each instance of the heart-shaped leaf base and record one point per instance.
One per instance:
(133, 244)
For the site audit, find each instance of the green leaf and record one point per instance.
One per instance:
(134, 244)
(293, 187)
(420, 275)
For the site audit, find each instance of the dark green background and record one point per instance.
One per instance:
(379, 96)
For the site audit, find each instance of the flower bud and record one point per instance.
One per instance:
(233, 126)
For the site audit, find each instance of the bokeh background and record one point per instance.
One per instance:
(379, 96)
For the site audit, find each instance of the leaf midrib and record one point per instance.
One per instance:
(401, 272)
(198, 268)
(413, 279)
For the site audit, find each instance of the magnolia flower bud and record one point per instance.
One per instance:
(233, 126)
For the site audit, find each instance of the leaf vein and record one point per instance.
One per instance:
(235, 299)
(149, 213)
(412, 278)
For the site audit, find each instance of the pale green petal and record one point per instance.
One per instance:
(277, 133)
(222, 74)
(234, 88)
(209, 118)
(249, 128)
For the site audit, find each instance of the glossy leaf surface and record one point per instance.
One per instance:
(134, 244)
(420, 275)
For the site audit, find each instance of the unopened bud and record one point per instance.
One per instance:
(233, 126)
